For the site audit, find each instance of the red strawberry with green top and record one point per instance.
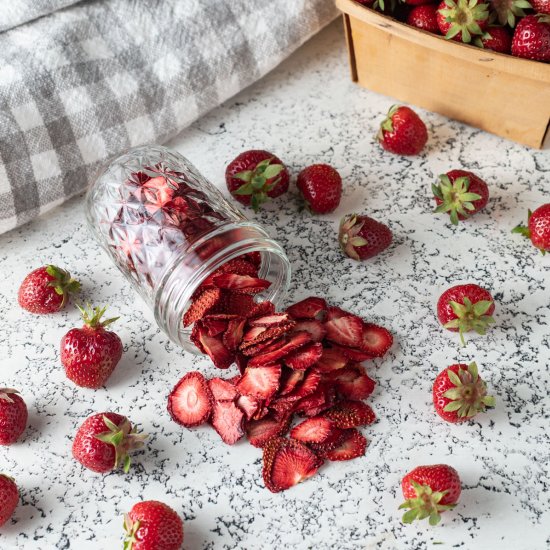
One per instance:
(461, 194)
(46, 289)
(459, 393)
(362, 238)
(91, 353)
(9, 498)
(538, 228)
(531, 38)
(461, 19)
(13, 416)
(429, 491)
(463, 308)
(320, 185)
(541, 6)
(424, 17)
(152, 525)
(497, 39)
(507, 11)
(402, 132)
(255, 176)
(103, 441)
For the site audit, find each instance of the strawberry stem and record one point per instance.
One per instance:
(92, 316)
(62, 283)
(426, 504)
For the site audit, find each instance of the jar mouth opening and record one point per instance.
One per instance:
(172, 298)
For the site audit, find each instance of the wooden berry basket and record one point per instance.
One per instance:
(498, 93)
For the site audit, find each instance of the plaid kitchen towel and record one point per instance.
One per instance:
(87, 81)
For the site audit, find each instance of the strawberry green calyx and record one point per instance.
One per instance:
(469, 395)
(508, 10)
(464, 16)
(256, 182)
(349, 236)
(130, 530)
(455, 197)
(387, 123)
(124, 438)
(92, 316)
(5, 394)
(426, 504)
(471, 317)
(62, 282)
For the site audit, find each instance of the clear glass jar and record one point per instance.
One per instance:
(167, 228)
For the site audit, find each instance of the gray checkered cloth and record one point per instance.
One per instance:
(93, 78)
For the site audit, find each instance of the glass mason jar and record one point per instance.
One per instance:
(167, 228)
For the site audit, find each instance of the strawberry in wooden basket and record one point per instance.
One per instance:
(497, 39)
(463, 19)
(532, 38)
(424, 17)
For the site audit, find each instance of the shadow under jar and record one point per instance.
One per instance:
(167, 228)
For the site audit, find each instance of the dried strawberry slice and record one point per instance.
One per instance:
(236, 266)
(248, 405)
(241, 362)
(286, 463)
(308, 386)
(353, 445)
(259, 432)
(260, 382)
(254, 258)
(290, 379)
(331, 360)
(314, 430)
(237, 304)
(222, 390)
(376, 340)
(294, 342)
(262, 308)
(310, 308)
(305, 357)
(315, 328)
(268, 345)
(274, 319)
(202, 305)
(213, 346)
(352, 382)
(250, 335)
(351, 414)
(214, 326)
(282, 407)
(234, 334)
(352, 354)
(332, 442)
(335, 312)
(198, 327)
(317, 402)
(345, 331)
(228, 420)
(266, 334)
(240, 283)
(190, 402)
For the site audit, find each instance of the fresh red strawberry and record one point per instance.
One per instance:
(430, 490)
(376, 340)
(459, 393)
(201, 305)
(259, 432)
(461, 19)
(497, 39)
(460, 193)
(352, 445)
(362, 237)
(313, 430)
(190, 402)
(222, 390)
(13, 416)
(214, 347)
(294, 342)
(508, 11)
(260, 382)
(91, 353)
(351, 414)
(541, 6)
(331, 360)
(309, 308)
(320, 185)
(256, 175)
(287, 463)
(46, 289)
(352, 382)
(315, 328)
(9, 498)
(228, 420)
(345, 331)
(402, 132)
(152, 525)
(103, 441)
(538, 228)
(463, 308)
(304, 357)
(424, 17)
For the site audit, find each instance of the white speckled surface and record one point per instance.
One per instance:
(307, 111)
